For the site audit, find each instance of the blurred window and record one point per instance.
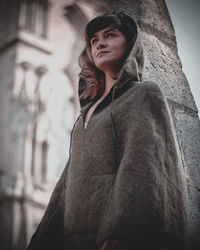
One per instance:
(44, 161)
(34, 16)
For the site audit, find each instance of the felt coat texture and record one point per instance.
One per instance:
(124, 177)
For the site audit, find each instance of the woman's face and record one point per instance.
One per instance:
(108, 46)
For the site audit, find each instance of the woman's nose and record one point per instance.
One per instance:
(101, 44)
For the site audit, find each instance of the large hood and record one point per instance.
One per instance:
(131, 69)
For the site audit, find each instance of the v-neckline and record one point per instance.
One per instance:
(87, 110)
(93, 109)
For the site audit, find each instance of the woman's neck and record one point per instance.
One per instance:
(110, 79)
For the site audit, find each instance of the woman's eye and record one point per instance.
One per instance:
(93, 41)
(110, 34)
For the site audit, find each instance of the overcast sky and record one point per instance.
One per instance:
(185, 16)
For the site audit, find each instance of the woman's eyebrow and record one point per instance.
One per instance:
(108, 30)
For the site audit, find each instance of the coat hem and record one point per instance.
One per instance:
(147, 240)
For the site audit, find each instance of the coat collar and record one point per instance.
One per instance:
(121, 83)
(124, 77)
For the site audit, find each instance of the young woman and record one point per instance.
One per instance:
(123, 186)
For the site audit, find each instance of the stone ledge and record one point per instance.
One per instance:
(20, 188)
(29, 40)
(35, 42)
(178, 108)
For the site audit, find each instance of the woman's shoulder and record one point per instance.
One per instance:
(148, 88)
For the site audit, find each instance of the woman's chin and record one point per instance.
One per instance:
(105, 65)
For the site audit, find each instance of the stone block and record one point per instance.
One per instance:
(188, 131)
(163, 67)
(155, 17)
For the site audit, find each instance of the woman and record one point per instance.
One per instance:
(123, 186)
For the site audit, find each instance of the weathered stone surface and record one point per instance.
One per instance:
(189, 134)
(188, 131)
(193, 239)
(155, 18)
(164, 67)
(131, 8)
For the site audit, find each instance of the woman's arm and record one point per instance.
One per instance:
(124, 245)
(117, 244)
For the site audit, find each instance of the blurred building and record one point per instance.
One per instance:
(40, 42)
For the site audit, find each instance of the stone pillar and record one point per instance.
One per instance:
(163, 66)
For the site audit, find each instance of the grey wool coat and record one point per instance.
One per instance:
(124, 177)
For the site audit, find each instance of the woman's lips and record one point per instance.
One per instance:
(102, 52)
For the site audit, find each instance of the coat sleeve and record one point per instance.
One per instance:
(148, 200)
(116, 244)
